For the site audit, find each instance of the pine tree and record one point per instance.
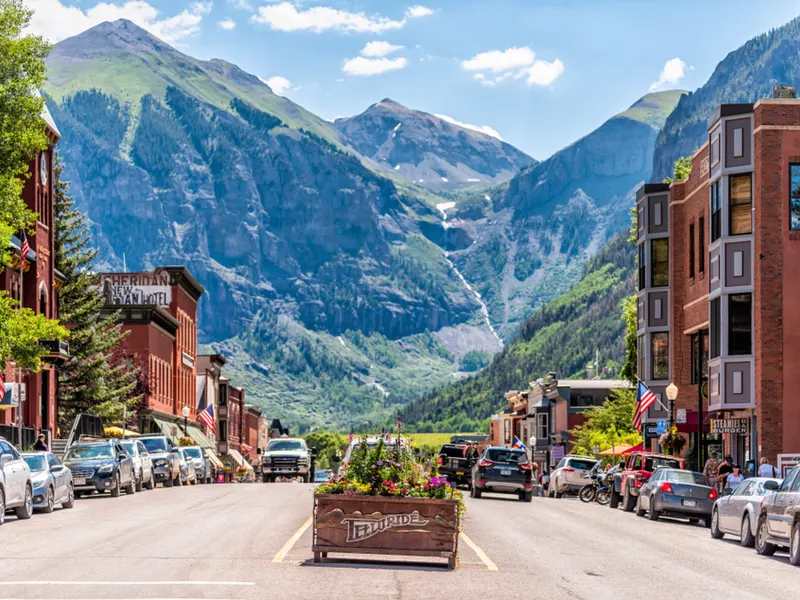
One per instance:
(97, 378)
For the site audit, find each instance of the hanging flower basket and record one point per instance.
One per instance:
(672, 442)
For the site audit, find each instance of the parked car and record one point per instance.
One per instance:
(736, 513)
(188, 471)
(52, 481)
(320, 476)
(286, 457)
(166, 459)
(102, 466)
(202, 463)
(503, 470)
(570, 475)
(677, 493)
(779, 519)
(142, 463)
(454, 464)
(638, 468)
(16, 487)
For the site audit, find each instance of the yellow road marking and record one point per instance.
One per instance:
(481, 554)
(292, 541)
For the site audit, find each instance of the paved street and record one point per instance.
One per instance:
(235, 541)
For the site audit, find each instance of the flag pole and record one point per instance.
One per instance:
(20, 383)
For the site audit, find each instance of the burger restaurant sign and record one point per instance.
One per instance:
(123, 289)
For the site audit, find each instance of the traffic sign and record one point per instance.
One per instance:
(681, 415)
(661, 426)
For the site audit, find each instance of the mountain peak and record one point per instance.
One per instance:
(112, 36)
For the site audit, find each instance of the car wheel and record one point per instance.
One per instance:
(716, 532)
(746, 538)
(131, 487)
(653, 514)
(2, 506)
(115, 487)
(139, 482)
(26, 510)
(49, 505)
(476, 493)
(70, 501)
(763, 547)
(614, 501)
(178, 481)
(169, 483)
(639, 510)
(151, 483)
(527, 497)
(794, 545)
(628, 502)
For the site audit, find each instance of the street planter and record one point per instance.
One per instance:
(361, 524)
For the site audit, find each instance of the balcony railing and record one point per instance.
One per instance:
(57, 350)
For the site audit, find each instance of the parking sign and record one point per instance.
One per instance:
(661, 427)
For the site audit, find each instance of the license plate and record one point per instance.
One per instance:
(690, 503)
(505, 472)
(459, 472)
(79, 481)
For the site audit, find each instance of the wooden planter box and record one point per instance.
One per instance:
(386, 526)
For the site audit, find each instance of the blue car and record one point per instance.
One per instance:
(52, 481)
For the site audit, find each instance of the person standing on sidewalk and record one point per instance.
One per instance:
(725, 469)
(765, 469)
(711, 467)
(735, 478)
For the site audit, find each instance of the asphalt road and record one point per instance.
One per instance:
(248, 541)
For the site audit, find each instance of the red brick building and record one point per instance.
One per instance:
(38, 292)
(719, 255)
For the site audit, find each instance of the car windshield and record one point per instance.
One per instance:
(581, 463)
(154, 444)
(652, 463)
(89, 452)
(500, 455)
(37, 464)
(454, 451)
(279, 445)
(192, 452)
(130, 447)
(689, 477)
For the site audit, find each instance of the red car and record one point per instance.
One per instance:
(638, 468)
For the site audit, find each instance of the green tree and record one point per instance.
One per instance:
(474, 360)
(607, 425)
(328, 445)
(681, 170)
(22, 131)
(20, 331)
(95, 378)
(629, 315)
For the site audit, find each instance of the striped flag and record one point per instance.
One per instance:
(645, 398)
(207, 417)
(24, 249)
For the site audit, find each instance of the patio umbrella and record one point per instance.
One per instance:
(617, 450)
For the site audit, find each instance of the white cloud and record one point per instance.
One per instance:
(674, 70)
(417, 11)
(242, 5)
(519, 63)
(56, 21)
(481, 128)
(278, 84)
(227, 24)
(286, 17)
(379, 48)
(500, 60)
(372, 66)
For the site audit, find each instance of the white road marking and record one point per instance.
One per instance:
(481, 554)
(123, 583)
(292, 541)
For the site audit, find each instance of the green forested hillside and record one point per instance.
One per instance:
(562, 336)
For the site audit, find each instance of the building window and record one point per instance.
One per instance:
(659, 256)
(507, 430)
(738, 142)
(741, 205)
(642, 267)
(699, 356)
(716, 213)
(583, 401)
(641, 357)
(740, 327)
(660, 353)
(715, 150)
(715, 326)
(691, 251)
(542, 429)
(794, 198)
(701, 245)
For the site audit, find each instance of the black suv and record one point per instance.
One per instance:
(102, 466)
(503, 470)
(455, 464)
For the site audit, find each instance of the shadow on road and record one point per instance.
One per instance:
(366, 563)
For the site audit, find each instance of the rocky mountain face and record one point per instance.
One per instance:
(429, 150)
(533, 236)
(745, 75)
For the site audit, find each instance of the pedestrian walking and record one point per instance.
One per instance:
(734, 478)
(711, 467)
(544, 481)
(40, 445)
(765, 469)
(724, 470)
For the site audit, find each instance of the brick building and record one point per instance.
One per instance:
(39, 280)
(719, 255)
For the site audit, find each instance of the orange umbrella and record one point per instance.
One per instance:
(617, 450)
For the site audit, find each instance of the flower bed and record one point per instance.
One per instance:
(386, 503)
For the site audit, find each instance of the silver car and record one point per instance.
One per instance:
(188, 472)
(202, 463)
(737, 513)
(52, 481)
(142, 464)
(677, 493)
(570, 475)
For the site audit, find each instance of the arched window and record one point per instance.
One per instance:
(43, 299)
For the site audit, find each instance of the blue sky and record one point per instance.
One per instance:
(542, 73)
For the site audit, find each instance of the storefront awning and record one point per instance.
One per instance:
(200, 438)
(239, 459)
(215, 459)
(168, 428)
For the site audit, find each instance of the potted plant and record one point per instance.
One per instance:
(385, 503)
(672, 442)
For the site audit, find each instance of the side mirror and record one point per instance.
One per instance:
(56, 468)
(175, 450)
(5, 458)
(772, 485)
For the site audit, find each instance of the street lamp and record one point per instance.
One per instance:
(672, 394)
(185, 413)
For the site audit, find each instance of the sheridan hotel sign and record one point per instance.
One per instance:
(137, 288)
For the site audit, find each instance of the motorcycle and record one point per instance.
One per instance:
(588, 492)
(598, 489)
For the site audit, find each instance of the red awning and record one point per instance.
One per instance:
(691, 422)
(636, 448)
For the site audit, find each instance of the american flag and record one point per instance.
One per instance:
(2, 382)
(246, 448)
(24, 249)
(207, 417)
(645, 398)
